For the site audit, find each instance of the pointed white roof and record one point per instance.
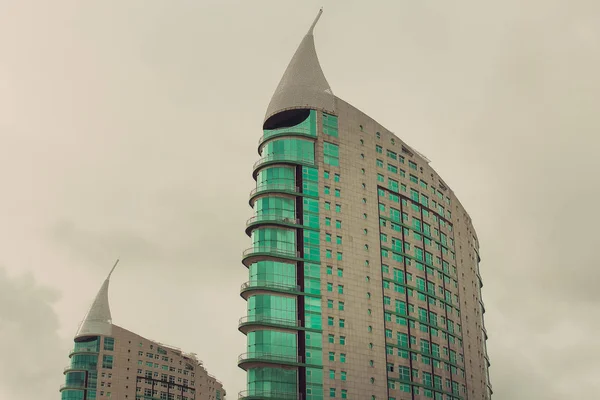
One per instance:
(303, 84)
(98, 320)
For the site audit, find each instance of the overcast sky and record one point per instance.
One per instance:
(129, 128)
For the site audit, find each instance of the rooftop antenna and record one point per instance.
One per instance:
(113, 268)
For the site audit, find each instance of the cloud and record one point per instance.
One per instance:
(31, 349)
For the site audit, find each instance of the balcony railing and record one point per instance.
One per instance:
(80, 386)
(272, 250)
(289, 157)
(84, 350)
(275, 186)
(270, 285)
(265, 319)
(276, 358)
(78, 368)
(272, 218)
(269, 394)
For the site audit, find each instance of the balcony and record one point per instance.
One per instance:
(267, 286)
(260, 359)
(290, 188)
(285, 158)
(75, 386)
(268, 253)
(270, 219)
(246, 323)
(76, 368)
(84, 351)
(268, 394)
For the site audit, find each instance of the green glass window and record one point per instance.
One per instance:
(289, 149)
(269, 343)
(379, 149)
(276, 176)
(276, 206)
(269, 239)
(331, 154)
(330, 125)
(107, 361)
(412, 165)
(342, 357)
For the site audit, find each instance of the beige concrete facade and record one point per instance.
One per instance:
(366, 361)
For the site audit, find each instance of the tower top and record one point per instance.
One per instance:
(303, 84)
(98, 320)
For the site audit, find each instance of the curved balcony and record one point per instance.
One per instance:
(69, 368)
(249, 322)
(271, 219)
(268, 394)
(257, 287)
(83, 351)
(282, 158)
(73, 386)
(268, 253)
(286, 188)
(262, 359)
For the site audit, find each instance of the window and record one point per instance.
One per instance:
(329, 303)
(338, 240)
(332, 373)
(327, 190)
(342, 323)
(379, 149)
(330, 321)
(338, 224)
(338, 208)
(412, 165)
(329, 287)
(343, 340)
(344, 394)
(342, 357)
(332, 392)
(343, 375)
(341, 289)
(327, 221)
(326, 174)
(340, 256)
(331, 154)
(338, 193)
(340, 272)
(379, 163)
(336, 177)
(329, 270)
(331, 356)
(341, 305)
(327, 205)
(109, 343)
(107, 361)
(328, 239)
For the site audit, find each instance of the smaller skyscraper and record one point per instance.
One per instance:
(110, 362)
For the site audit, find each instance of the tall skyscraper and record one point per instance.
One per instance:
(364, 267)
(109, 362)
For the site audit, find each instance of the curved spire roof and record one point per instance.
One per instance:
(303, 84)
(98, 320)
